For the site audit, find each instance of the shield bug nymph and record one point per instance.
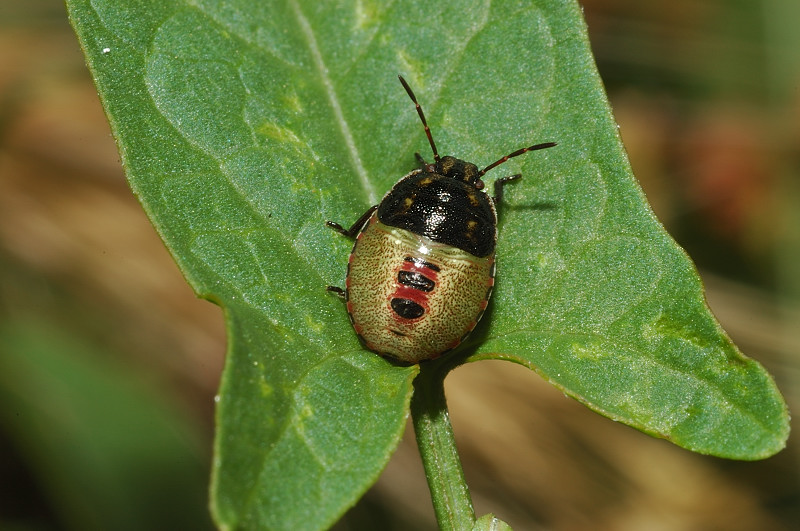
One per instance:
(422, 267)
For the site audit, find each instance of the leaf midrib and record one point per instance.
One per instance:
(327, 83)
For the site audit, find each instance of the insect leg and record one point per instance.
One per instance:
(338, 291)
(352, 231)
(499, 183)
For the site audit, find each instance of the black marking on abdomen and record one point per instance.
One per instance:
(415, 280)
(419, 262)
(407, 309)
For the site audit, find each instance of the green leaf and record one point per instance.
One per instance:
(595, 296)
(244, 125)
(490, 522)
(229, 137)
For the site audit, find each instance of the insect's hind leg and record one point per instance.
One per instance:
(338, 291)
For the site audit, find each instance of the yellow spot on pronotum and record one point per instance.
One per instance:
(470, 232)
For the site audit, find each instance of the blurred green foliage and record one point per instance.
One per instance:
(105, 448)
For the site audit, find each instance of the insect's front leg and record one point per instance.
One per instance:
(352, 231)
(499, 183)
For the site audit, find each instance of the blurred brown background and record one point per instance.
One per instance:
(109, 364)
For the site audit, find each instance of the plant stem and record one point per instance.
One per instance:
(437, 446)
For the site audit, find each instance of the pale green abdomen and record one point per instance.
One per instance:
(412, 298)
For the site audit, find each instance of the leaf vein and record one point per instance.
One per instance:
(327, 83)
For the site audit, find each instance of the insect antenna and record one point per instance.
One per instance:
(517, 153)
(421, 117)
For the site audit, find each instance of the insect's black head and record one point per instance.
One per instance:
(459, 170)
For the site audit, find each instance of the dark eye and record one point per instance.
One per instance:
(479, 184)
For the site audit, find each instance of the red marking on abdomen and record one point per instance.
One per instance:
(405, 292)
(417, 266)
(409, 291)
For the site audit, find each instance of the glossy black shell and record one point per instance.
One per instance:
(443, 202)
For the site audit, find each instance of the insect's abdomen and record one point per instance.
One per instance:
(411, 298)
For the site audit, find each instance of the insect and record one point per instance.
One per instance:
(422, 267)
